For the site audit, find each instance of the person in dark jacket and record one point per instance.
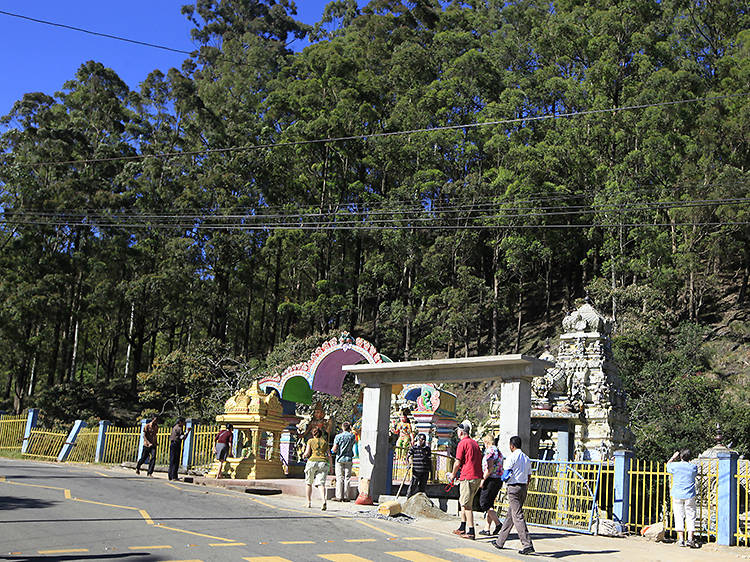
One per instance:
(421, 465)
(176, 438)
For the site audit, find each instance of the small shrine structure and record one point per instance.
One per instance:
(433, 410)
(578, 406)
(258, 421)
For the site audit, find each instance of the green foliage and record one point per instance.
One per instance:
(193, 383)
(673, 402)
(457, 240)
(63, 403)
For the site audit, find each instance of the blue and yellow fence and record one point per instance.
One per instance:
(203, 444)
(45, 444)
(743, 503)
(11, 431)
(569, 495)
(84, 449)
(650, 500)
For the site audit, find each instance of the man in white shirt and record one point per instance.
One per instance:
(516, 477)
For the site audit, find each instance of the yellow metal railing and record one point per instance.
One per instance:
(565, 494)
(11, 431)
(442, 463)
(743, 503)
(85, 445)
(121, 444)
(45, 444)
(203, 444)
(650, 499)
(162, 446)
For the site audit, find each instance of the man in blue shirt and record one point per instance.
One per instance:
(343, 449)
(683, 495)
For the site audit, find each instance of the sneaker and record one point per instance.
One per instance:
(323, 507)
(485, 533)
(497, 546)
(137, 470)
(681, 543)
(693, 544)
(526, 550)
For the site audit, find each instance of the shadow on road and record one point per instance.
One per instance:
(164, 519)
(10, 502)
(135, 556)
(564, 553)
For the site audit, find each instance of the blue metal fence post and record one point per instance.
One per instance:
(70, 442)
(726, 518)
(100, 439)
(31, 420)
(621, 500)
(389, 472)
(235, 452)
(187, 445)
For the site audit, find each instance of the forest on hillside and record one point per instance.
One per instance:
(442, 178)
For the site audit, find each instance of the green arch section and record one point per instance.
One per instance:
(296, 389)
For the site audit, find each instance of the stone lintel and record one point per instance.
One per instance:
(468, 369)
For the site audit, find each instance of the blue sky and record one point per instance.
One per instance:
(40, 58)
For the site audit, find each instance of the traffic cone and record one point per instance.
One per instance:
(364, 492)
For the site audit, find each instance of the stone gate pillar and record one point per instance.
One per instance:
(373, 451)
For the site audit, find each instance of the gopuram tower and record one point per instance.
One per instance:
(578, 407)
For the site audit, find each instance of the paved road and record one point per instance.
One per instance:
(82, 512)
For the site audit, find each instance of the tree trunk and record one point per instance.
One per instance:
(495, 300)
(519, 322)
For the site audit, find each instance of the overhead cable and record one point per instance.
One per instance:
(248, 148)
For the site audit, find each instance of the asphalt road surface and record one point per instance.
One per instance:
(82, 512)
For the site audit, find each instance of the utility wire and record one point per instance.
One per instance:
(116, 37)
(385, 210)
(249, 148)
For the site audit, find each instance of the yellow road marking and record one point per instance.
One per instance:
(296, 542)
(63, 551)
(102, 474)
(192, 560)
(227, 544)
(152, 547)
(480, 554)
(343, 558)
(2, 478)
(264, 503)
(146, 516)
(371, 526)
(416, 556)
(417, 538)
(32, 485)
(359, 540)
(267, 559)
(105, 504)
(67, 495)
(194, 533)
(173, 486)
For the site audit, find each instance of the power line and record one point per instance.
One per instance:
(386, 209)
(367, 136)
(116, 37)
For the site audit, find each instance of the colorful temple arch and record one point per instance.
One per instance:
(322, 372)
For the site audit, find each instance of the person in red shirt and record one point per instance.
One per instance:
(469, 462)
(222, 446)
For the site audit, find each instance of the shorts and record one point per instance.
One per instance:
(467, 489)
(316, 472)
(489, 493)
(222, 451)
